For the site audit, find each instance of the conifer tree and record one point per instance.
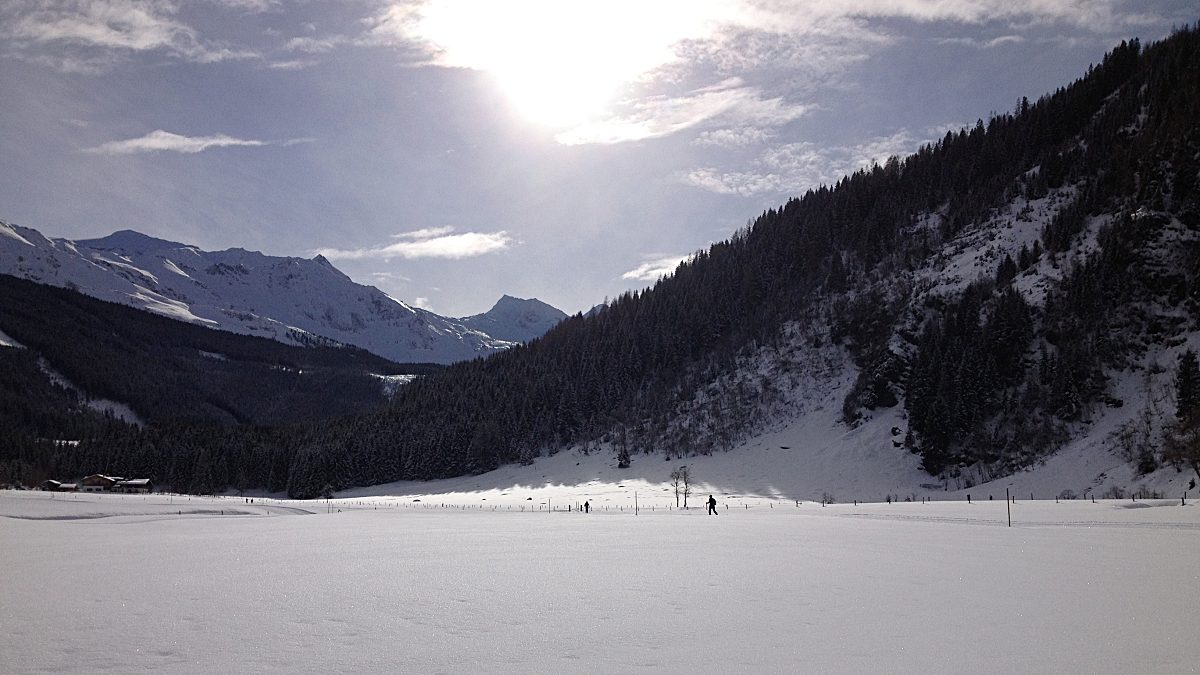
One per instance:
(1187, 385)
(1182, 445)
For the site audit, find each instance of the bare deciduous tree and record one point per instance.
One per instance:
(681, 480)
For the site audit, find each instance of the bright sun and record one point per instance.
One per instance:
(561, 62)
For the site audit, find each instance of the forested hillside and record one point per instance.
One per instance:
(170, 374)
(995, 362)
(639, 374)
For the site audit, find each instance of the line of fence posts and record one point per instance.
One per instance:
(1009, 499)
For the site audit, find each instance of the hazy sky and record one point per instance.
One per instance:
(449, 151)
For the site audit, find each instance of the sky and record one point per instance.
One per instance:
(451, 151)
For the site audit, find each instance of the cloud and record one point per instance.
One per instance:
(92, 35)
(391, 276)
(425, 233)
(611, 72)
(811, 49)
(982, 44)
(255, 6)
(292, 64)
(660, 116)
(792, 168)
(438, 242)
(120, 24)
(654, 268)
(733, 182)
(736, 137)
(162, 141)
(314, 45)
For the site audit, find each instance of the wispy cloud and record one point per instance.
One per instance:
(791, 168)
(654, 268)
(391, 276)
(90, 35)
(123, 24)
(729, 101)
(735, 137)
(314, 45)
(165, 141)
(424, 233)
(291, 64)
(249, 5)
(428, 243)
(982, 44)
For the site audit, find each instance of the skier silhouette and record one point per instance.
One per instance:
(587, 508)
(712, 506)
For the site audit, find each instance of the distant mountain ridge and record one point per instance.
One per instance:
(293, 300)
(516, 319)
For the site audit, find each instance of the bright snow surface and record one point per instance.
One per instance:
(126, 583)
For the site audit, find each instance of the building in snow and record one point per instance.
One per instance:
(98, 482)
(134, 486)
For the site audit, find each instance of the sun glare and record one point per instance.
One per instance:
(563, 63)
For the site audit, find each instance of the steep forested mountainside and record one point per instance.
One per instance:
(976, 284)
(293, 300)
(990, 288)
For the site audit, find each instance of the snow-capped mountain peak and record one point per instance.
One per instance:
(291, 299)
(129, 240)
(515, 319)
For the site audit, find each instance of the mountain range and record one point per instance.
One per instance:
(293, 300)
(1021, 295)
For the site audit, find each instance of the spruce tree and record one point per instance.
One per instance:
(1187, 385)
(1182, 445)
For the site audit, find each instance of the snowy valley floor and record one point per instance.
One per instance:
(157, 583)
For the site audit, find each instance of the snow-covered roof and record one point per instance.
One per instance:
(134, 482)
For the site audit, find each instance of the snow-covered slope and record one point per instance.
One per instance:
(808, 456)
(293, 300)
(515, 319)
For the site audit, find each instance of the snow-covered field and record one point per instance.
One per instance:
(382, 584)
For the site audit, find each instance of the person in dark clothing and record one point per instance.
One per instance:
(712, 505)
(587, 508)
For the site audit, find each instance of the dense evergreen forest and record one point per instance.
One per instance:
(989, 382)
(173, 375)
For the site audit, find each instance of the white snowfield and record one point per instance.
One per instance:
(125, 584)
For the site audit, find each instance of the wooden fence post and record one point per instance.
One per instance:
(1008, 504)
